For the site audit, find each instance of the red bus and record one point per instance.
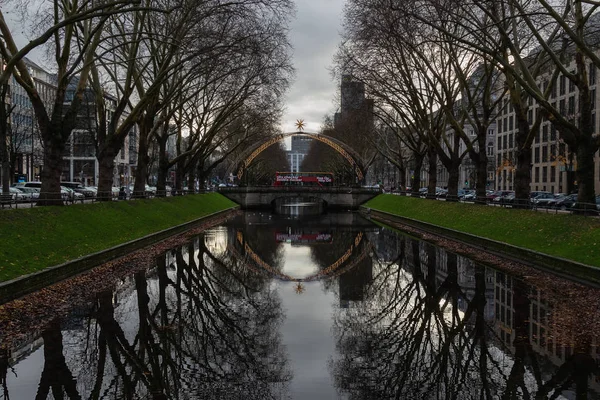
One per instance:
(303, 179)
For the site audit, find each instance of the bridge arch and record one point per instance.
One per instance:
(342, 148)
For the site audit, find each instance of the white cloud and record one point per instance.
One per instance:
(314, 35)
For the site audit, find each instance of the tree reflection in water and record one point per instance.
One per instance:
(427, 330)
(414, 322)
(191, 328)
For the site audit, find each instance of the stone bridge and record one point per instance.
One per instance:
(332, 197)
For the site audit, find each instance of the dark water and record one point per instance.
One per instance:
(327, 307)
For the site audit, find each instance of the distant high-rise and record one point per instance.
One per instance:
(353, 102)
(300, 146)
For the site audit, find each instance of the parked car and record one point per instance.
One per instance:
(16, 195)
(544, 199)
(69, 194)
(79, 188)
(566, 202)
(491, 195)
(589, 208)
(536, 193)
(32, 193)
(504, 197)
(467, 194)
(33, 184)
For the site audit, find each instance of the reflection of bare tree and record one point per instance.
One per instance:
(423, 333)
(56, 375)
(4, 372)
(193, 327)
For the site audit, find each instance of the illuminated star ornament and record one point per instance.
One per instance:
(300, 124)
(300, 288)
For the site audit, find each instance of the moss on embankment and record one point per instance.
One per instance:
(32, 239)
(573, 237)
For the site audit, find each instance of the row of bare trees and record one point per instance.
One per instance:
(207, 76)
(439, 68)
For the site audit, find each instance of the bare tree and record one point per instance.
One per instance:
(68, 24)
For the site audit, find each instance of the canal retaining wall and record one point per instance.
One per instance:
(563, 267)
(26, 284)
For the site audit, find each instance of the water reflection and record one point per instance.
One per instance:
(434, 325)
(379, 316)
(299, 206)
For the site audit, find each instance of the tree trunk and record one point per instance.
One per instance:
(401, 184)
(481, 168)
(523, 168)
(106, 166)
(4, 139)
(585, 173)
(141, 171)
(432, 160)
(202, 178)
(191, 180)
(163, 166)
(51, 173)
(416, 176)
(453, 177)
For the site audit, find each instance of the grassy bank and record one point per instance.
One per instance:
(563, 235)
(34, 238)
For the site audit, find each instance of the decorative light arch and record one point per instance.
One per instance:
(343, 149)
(331, 271)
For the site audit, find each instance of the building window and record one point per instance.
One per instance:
(544, 133)
(544, 174)
(536, 153)
(510, 140)
(545, 154)
(499, 143)
(499, 123)
(562, 107)
(552, 132)
(562, 85)
(571, 84)
(504, 145)
(552, 174)
(537, 174)
(572, 105)
(530, 116)
(592, 74)
(510, 123)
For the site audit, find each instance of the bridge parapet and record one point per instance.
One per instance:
(335, 197)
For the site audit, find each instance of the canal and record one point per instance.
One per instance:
(317, 307)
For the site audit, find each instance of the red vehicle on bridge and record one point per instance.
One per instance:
(303, 179)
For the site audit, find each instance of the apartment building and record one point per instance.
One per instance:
(25, 142)
(553, 166)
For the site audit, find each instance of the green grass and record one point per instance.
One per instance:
(35, 238)
(569, 236)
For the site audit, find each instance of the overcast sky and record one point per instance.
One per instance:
(314, 34)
